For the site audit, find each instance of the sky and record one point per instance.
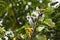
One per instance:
(55, 0)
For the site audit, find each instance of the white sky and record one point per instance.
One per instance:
(55, 0)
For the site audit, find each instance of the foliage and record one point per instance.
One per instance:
(29, 19)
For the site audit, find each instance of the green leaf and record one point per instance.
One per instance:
(49, 22)
(24, 2)
(48, 12)
(40, 28)
(41, 37)
(2, 32)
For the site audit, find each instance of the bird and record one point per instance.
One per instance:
(30, 20)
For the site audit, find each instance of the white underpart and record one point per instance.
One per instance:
(30, 20)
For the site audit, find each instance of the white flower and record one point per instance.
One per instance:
(6, 38)
(35, 13)
(11, 34)
(6, 13)
(22, 36)
(37, 8)
(20, 22)
(40, 1)
(1, 22)
(19, 0)
(52, 35)
(17, 4)
(20, 3)
(13, 4)
(29, 3)
(56, 5)
(26, 7)
(48, 4)
(37, 36)
(49, 39)
(10, 5)
(0, 38)
(18, 18)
